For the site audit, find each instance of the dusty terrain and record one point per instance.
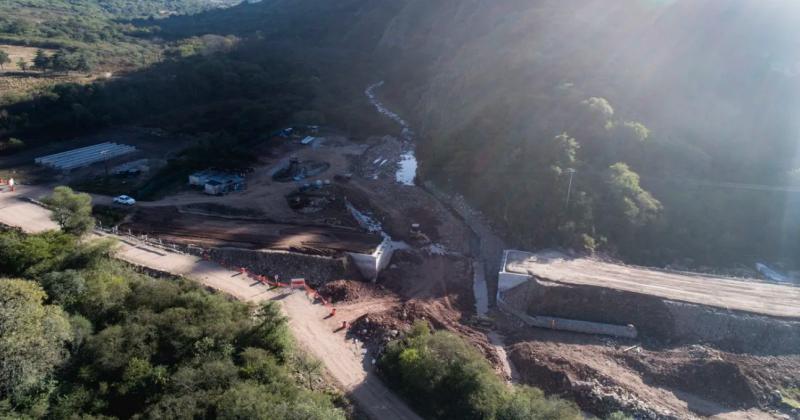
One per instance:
(15, 81)
(174, 225)
(17, 52)
(605, 375)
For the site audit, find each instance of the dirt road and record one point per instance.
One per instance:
(346, 361)
(734, 294)
(27, 216)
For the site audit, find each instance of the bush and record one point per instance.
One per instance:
(444, 377)
(72, 211)
(131, 346)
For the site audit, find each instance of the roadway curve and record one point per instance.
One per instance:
(346, 361)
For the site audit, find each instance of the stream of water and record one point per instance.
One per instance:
(407, 166)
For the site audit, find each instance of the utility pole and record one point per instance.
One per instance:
(569, 188)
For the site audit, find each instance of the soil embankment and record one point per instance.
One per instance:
(659, 320)
(648, 382)
(214, 231)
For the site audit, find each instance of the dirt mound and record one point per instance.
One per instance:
(712, 378)
(350, 291)
(320, 200)
(604, 375)
(377, 329)
(595, 389)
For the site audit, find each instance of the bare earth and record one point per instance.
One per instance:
(728, 293)
(344, 359)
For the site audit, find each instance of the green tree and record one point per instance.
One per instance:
(444, 377)
(65, 288)
(630, 202)
(251, 400)
(83, 63)
(72, 211)
(42, 61)
(272, 331)
(4, 59)
(33, 339)
(63, 61)
(527, 403)
(34, 255)
(15, 143)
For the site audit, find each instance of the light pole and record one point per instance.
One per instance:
(104, 154)
(569, 188)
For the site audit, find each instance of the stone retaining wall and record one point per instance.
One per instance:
(316, 270)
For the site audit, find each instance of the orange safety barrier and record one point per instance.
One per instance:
(265, 280)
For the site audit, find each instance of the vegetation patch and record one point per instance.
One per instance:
(108, 216)
(791, 397)
(87, 336)
(443, 377)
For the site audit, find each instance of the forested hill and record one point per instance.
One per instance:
(697, 97)
(117, 8)
(99, 30)
(678, 116)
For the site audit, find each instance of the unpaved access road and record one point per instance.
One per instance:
(346, 360)
(726, 293)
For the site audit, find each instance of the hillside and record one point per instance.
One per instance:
(102, 28)
(671, 112)
(509, 76)
(695, 98)
(599, 136)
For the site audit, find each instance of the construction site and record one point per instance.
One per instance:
(656, 343)
(385, 253)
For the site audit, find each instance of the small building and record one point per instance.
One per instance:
(216, 182)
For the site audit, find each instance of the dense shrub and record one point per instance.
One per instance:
(444, 377)
(107, 341)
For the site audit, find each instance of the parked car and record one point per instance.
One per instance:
(124, 200)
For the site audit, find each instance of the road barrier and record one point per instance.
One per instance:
(294, 284)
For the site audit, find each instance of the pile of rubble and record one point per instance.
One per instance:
(350, 291)
(377, 329)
